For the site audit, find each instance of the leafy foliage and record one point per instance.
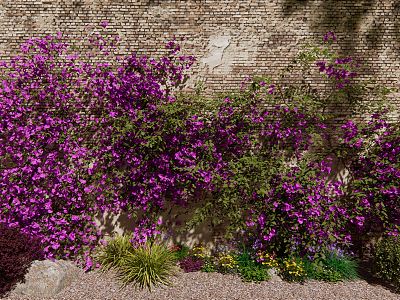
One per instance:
(17, 251)
(250, 270)
(387, 260)
(374, 189)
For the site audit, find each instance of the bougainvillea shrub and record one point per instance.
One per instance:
(301, 213)
(17, 251)
(79, 138)
(374, 187)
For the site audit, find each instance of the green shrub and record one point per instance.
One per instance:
(331, 269)
(254, 273)
(387, 260)
(148, 265)
(250, 270)
(112, 255)
(181, 252)
(318, 271)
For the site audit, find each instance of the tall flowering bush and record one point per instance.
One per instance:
(278, 191)
(301, 214)
(81, 137)
(374, 187)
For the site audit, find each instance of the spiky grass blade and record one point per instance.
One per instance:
(149, 265)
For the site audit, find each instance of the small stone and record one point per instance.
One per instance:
(274, 274)
(47, 278)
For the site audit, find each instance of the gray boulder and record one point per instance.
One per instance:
(47, 278)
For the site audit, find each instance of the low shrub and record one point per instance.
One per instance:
(387, 260)
(254, 273)
(17, 251)
(250, 270)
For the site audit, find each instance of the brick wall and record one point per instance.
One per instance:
(230, 38)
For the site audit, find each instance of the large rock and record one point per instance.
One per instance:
(47, 278)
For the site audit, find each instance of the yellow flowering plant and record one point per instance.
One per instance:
(199, 251)
(267, 260)
(226, 262)
(292, 269)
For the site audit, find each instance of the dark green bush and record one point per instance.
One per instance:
(181, 252)
(387, 260)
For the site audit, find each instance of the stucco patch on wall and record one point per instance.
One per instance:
(216, 47)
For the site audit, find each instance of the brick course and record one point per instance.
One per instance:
(261, 37)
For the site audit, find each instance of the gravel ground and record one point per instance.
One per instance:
(207, 286)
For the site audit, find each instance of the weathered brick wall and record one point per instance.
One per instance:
(230, 38)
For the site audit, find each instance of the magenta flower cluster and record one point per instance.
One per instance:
(341, 70)
(375, 169)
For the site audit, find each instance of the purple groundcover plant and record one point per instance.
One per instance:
(191, 264)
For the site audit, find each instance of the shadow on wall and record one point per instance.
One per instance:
(344, 17)
(354, 20)
(174, 218)
(366, 29)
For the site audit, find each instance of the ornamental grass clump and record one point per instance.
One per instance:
(112, 255)
(148, 265)
(144, 265)
(331, 268)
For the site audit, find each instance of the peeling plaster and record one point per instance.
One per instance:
(217, 45)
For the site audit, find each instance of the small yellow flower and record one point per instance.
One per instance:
(199, 251)
(227, 261)
(294, 269)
